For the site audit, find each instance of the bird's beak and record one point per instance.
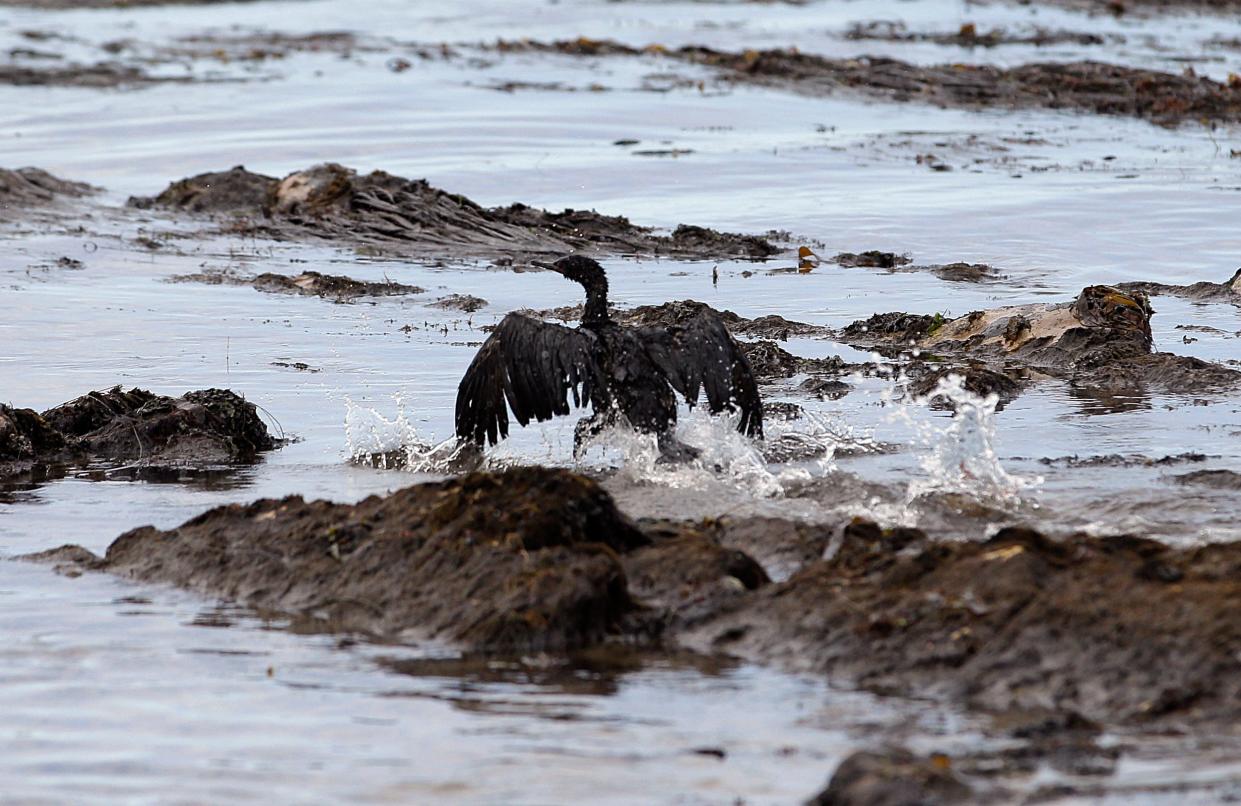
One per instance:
(545, 265)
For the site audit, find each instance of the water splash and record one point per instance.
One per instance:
(724, 454)
(960, 457)
(759, 469)
(395, 444)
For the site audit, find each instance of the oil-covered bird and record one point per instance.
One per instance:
(626, 374)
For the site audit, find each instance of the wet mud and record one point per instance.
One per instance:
(410, 217)
(309, 283)
(1050, 637)
(1083, 86)
(149, 432)
(1100, 340)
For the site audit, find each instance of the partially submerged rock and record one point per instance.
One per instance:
(957, 272)
(1102, 339)
(872, 258)
(405, 216)
(204, 428)
(976, 379)
(1124, 460)
(1115, 629)
(1204, 291)
(894, 777)
(681, 311)
(33, 187)
(466, 303)
(309, 283)
(1218, 479)
(965, 272)
(521, 561)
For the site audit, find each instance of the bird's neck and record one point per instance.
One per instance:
(596, 311)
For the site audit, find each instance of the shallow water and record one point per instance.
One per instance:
(121, 692)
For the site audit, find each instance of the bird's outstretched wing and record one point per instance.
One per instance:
(535, 365)
(703, 356)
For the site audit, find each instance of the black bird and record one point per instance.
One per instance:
(625, 373)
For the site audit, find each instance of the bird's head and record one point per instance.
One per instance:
(577, 268)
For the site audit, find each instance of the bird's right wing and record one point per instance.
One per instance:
(703, 356)
(535, 365)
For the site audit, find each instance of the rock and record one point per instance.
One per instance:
(895, 777)
(34, 187)
(335, 287)
(1115, 629)
(1101, 340)
(977, 380)
(769, 360)
(1219, 479)
(1205, 291)
(460, 302)
(520, 561)
(205, 428)
(872, 259)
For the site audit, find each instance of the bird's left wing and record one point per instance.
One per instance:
(532, 364)
(703, 356)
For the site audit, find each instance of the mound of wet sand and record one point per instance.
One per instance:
(407, 216)
(1112, 629)
(34, 187)
(1101, 340)
(1083, 86)
(204, 428)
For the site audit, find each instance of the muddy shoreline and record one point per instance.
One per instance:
(1057, 636)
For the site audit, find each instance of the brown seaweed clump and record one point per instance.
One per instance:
(409, 216)
(204, 428)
